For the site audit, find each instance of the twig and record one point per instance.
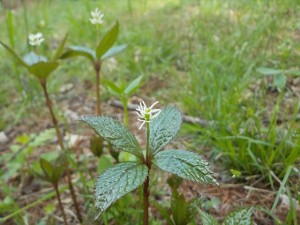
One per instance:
(186, 118)
(249, 188)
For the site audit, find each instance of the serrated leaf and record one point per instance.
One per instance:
(164, 127)
(113, 87)
(115, 133)
(280, 81)
(192, 209)
(239, 217)
(113, 51)
(14, 54)
(187, 165)
(133, 85)
(107, 41)
(268, 71)
(60, 48)
(208, 219)
(117, 181)
(42, 69)
(79, 51)
(32, 58)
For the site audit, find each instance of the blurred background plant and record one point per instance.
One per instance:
(233, 64)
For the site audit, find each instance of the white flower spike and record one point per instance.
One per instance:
(97, 17)
(146, 114)
(35, 39)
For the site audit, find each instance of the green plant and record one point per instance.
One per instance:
(161, 128)
(182, 212)
(238, 217)
(103, 50)
(124, 91)
(52, 173)
(40, 67)
(279, 75)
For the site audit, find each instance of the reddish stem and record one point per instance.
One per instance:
(60, 141)
(54, 120)
(98, 95)
(60, 204)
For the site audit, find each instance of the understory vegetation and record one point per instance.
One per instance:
(225, 75)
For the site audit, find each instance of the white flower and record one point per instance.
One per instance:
(97, 17)
(146, 114)
(35, 39)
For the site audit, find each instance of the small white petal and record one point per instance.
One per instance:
(155, 115)
(153, 105)
(142, 125)
(96, 17)
(155, 110)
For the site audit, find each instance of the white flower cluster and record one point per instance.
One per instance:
(97, 17)
(35, 39)
(146, 114)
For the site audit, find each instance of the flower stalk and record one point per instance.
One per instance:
(146, 192)
(145, 115)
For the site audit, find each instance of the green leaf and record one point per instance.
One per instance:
(178, 208)
(208, 219)
(42, 69)
(163, 212)
(174, 181)
(57, 172)
(113, 51)
(268, 71)
(107, 41)
(113, 87)
(117, 181)
(104, 163)
(293, 72)
(280, 81)
(192, 206)
(115, 133)
(133, 86)
(47, 168)
(32, 58)
(164, 127)
(187, 165)
(79, 51)
(15, 55)
(239, 217)
(60, 48)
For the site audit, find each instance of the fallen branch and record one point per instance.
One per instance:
(186, 118)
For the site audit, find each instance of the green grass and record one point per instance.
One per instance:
(203, 55)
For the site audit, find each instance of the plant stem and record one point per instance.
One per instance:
(98, 96)
(60, 141)
(54, 120)
(146, 192)
(60, 204)
(72, 191)
(31, 205)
